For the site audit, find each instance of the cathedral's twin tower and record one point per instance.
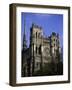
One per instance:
(36, 35)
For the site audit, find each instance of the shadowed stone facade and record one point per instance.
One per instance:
(42, 51)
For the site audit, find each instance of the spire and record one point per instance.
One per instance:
(24, 38)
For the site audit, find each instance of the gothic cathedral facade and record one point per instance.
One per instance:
(41, 51)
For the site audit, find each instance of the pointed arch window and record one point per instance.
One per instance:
(40, 49)
(36, 49)
(36, 34)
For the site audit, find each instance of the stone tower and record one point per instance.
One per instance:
(55, 47)
(36, 43)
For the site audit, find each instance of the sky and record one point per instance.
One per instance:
(49, 23)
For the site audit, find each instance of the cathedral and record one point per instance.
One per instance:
(41, 53)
